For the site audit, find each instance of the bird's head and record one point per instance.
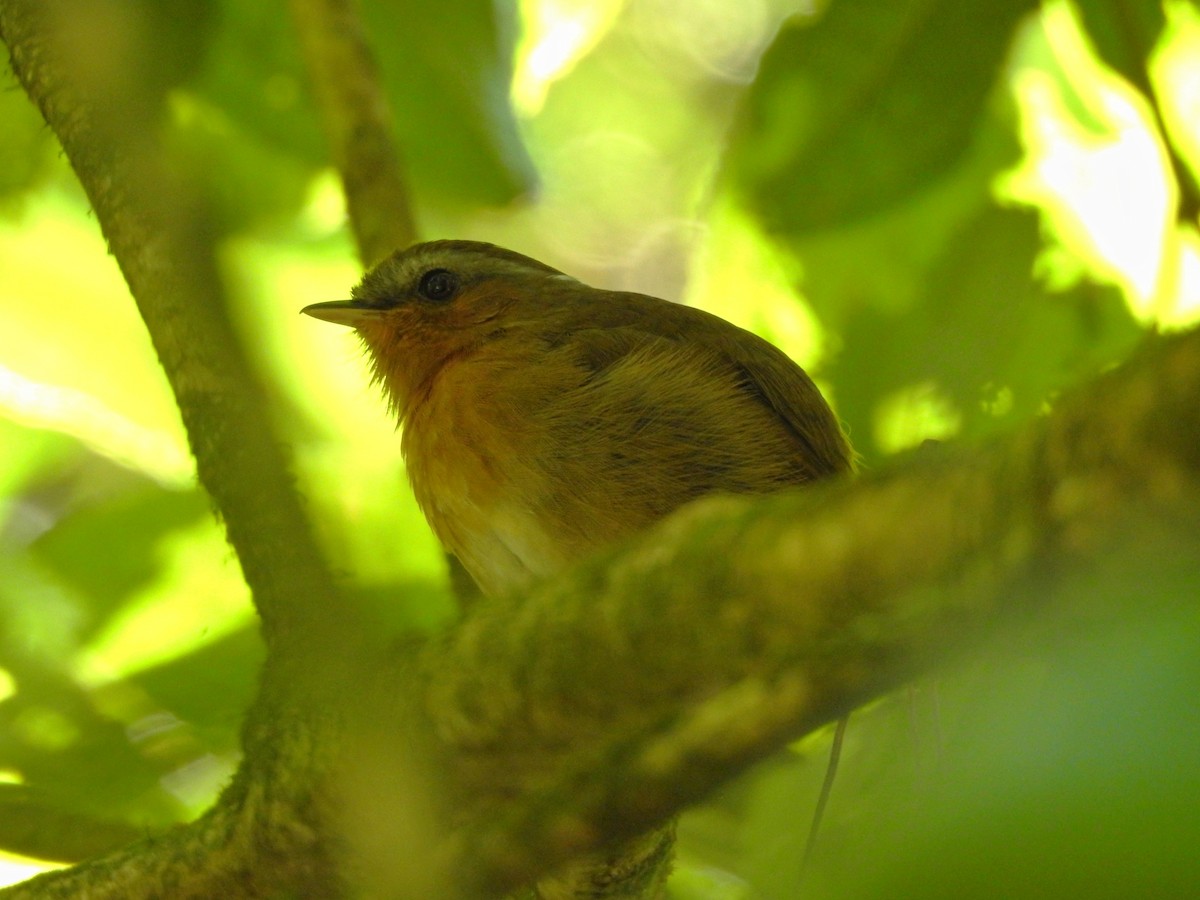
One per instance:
(423, 306)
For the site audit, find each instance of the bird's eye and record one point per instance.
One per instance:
(438, 284)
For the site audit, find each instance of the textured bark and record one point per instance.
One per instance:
(77, 61)
(358, 126)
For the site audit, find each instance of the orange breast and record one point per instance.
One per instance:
(526, 459)
(467, 449)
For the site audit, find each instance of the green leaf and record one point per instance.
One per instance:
(1067, 766)
(82, 550)
(178, 36)
(983, 332)
(1124, 32)
(866, 107)
(80, 759)
(446, 68)
(247, 181)
(1056, 761)
(29, 454)
(27, 147)
(209, 687)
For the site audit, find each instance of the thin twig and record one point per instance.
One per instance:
(835, 755)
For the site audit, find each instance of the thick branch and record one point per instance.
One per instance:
(739, 624)
(208, 858)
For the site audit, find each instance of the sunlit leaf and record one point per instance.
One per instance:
(457, 132)
(28, 453)
(210, 687)
(1124, 33)
(27, 144)
(81, 551)
(198, 596)
(871, 103)
(54, 372)
(988, 338)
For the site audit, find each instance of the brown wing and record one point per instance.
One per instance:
(787, 389)
(629, 323)
(637, 407)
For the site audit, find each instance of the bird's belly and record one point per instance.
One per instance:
(477, 498)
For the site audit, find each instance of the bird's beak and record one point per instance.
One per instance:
(342, 312)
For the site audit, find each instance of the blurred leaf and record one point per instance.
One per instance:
(1069, 765)
(110, 551)
(446, 67)
(112, 751)
(869, 105)
(178, 35)
(1056, 760)
(27, 146)
(1079, 94)
(780, 800)
(254, 75)
(33, 825)
(29, 453)
(210, 687)
(885, 260)
(81, 760)
(1124, 32)
(138, 751)
(987, 335)
(58, 290)
(248, 183)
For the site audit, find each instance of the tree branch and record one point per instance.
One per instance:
(358, 124)
(687, 662)
(605, 702)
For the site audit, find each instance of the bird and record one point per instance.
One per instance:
(543, 419)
